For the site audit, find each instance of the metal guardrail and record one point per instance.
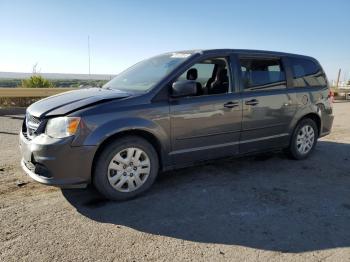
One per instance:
(343, 92)
(32, 92)
(342, 89)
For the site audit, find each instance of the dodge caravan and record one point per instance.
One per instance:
(175, 110)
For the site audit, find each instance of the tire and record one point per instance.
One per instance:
(295, 149)
(122, 172)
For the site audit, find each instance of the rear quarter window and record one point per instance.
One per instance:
(306, 73)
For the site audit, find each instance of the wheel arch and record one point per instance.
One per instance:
(313, 116)
(290, 150)
(148, 136)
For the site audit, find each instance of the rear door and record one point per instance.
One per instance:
(267, 106)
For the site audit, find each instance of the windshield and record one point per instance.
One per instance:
(147, 73)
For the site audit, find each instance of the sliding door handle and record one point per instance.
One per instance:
(252, 102)
(231, 104)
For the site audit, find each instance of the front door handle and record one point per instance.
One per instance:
(252, 102)
(231, 104)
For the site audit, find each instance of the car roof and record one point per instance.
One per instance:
(242, 51)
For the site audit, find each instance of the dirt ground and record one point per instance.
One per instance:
(259, 208)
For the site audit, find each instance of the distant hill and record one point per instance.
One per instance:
(15, 75)
(13, 79)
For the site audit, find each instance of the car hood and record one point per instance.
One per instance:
(70, 101)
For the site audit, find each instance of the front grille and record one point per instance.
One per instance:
(33, 119)
(32, 125)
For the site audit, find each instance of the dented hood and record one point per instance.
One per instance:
(67, 102)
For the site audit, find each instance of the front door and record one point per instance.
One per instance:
(207, 125)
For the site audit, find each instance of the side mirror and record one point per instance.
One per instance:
(183, 88)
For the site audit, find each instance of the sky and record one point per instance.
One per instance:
(54, 34)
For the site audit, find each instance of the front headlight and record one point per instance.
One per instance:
(60, 127)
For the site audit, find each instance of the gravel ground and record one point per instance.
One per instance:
(260, 208)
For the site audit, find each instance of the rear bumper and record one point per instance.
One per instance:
(327, 123)
(55, 162)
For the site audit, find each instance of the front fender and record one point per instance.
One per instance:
(104, 131)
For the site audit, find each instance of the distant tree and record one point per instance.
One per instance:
(36, 80)
(348, 83)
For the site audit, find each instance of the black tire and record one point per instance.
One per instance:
(292, 151)
(100, 177)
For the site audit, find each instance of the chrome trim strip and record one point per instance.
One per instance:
(211, 134)
(263, 138)
(181, 151)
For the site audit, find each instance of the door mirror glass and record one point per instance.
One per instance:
(183, 88)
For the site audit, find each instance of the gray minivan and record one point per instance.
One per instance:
(175, 110)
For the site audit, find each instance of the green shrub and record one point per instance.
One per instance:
(36, 81)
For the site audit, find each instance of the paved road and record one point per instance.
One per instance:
(261, 208)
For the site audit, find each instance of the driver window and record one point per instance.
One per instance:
(211, 75)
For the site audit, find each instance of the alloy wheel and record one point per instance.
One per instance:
(305, 139)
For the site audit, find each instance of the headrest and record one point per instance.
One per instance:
(221, 75)
(192, 74)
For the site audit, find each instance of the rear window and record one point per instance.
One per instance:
(262, 74)
(306, 73)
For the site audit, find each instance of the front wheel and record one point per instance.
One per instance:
(303, 140)
(126, 168)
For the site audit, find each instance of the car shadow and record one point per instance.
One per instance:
(267, 202)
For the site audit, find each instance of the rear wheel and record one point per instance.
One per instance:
(304, 139)
(126, 168)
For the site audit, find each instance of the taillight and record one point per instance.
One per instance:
(331, 96)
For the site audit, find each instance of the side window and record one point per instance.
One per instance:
(306, 73)
(262, 74)
(211, 75)
(205, 71)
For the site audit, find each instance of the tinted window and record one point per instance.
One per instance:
(306, 73)
(261, 74)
